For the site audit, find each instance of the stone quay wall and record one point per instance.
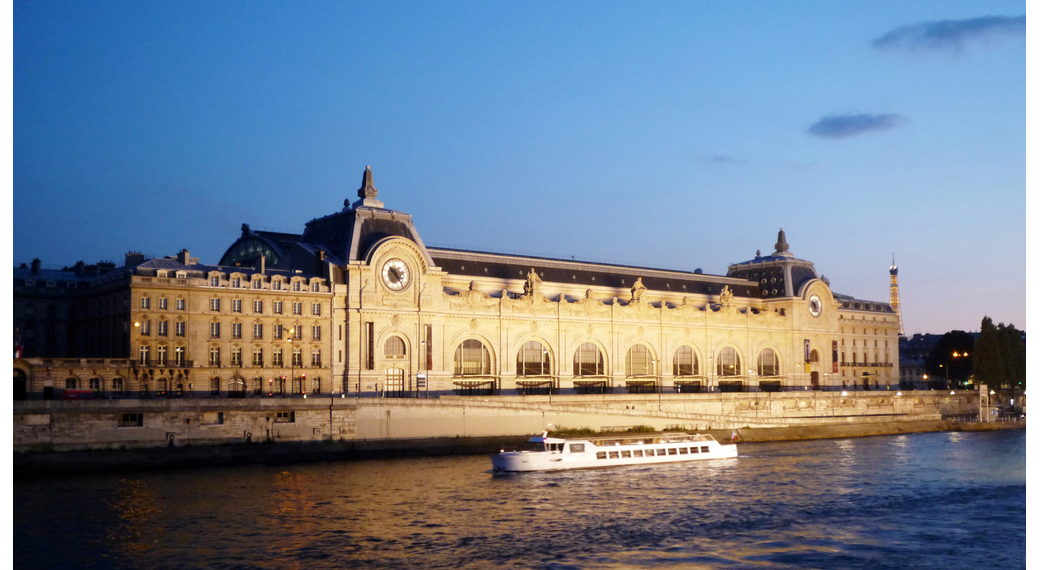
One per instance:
(65, 426)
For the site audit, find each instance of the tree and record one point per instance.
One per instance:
(1014, 351)
(942, 362)
(988, 360)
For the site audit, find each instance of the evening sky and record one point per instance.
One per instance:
(666, 134)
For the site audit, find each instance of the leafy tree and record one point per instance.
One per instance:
(1014, 351)
(942, 357)
(988, 360)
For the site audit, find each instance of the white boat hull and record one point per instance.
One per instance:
(560, 454)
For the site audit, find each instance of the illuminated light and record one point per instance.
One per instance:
(844, 393)
(951, 392)
(305, 396)
(899, 393)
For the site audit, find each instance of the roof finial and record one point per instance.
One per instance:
(368, 189)
(781, 242)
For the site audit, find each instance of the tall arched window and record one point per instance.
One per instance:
(394, 347)
(588, 360)
(685, 362)
(768, 363)
(639, 362)
(532, 360)
(729, 363)
(472, 359)
(814, 356)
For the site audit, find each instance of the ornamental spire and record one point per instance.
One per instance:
(781, 242)
(368, 189)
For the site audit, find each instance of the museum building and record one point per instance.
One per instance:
(357, 303)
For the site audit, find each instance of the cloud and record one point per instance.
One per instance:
(844, 126)
(724, 159)
(950, 35)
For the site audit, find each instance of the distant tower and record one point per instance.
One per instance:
(894, 292)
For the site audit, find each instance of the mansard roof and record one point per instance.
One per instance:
(588, 274)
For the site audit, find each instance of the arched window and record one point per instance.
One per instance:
(117, 384)
(70, 384)
(638, 361)
(394, 347)
(685, 362)
(472, 359)
(729, 363)
(768, 364)
(814, 356)
(532, 360)
(588, 360)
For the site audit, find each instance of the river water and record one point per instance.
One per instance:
(934, 500)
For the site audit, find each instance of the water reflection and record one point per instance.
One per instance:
(881, 502)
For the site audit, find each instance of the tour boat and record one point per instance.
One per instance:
(555, 453)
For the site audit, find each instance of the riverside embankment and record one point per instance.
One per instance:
(118, 434)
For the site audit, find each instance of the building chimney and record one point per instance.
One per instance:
(184, 257)
(36, 266)
(261, 263)
(134, 258)
(79, 268)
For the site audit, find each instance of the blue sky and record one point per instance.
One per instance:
(669, 134)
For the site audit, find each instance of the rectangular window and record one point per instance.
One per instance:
(315, 287)
(146, 303)
(297, 333)
(143, 355)
(95, 384)
(577, 448)
(214, 281)
(236, 330)
(258, 357)
(316, 309)
(146, 327)
(179, 356)
(428, 347)
(601, 455)
(296, 286)
(277, 307)
(297, 308)
(214, 304)
(316, 332)
(277, 332)
(163, 325)
(637, 453)
(297, 356)
(162, 303)
(256, 283)
(131, 420)
(704, 449)
(370, 357)
(160, 355)
(341, 357)
(179, 328)
(258, 307)
(614, 455)
(214, 356)
(236, 282)
(316, 357)
(341, 332)
(180, 304)
(276, 357)
(214, 330)
(236, 306)
(684, 451)
(276, 285)
(236, 356)
(258, 386)
(258, 331)
(626, 453)
(285, 417)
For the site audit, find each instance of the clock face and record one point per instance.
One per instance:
(815, 306)
(396, 275)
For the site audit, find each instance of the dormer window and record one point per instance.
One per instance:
(236, 282)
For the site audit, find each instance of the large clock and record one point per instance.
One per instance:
(396, 275)
(815, 306)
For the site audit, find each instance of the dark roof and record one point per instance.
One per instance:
(501, 266)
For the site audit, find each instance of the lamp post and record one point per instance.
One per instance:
(949, 361)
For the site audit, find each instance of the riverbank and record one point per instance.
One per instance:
(39, 463)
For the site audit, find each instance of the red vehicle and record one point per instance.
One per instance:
(78, 395)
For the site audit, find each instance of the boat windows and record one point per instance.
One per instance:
(601, 455)
(637, 453)
(577, 448)
(614, 455)
(626, 453)
(695, 450)
(704, 449)
(684, 451)
(673, 451)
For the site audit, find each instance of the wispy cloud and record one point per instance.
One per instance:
(724, 159)
(844, 126)
(950, 35)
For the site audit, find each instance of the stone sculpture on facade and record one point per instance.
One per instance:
(637, 290)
